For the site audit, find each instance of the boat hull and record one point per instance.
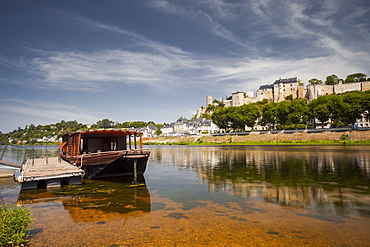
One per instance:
(111, 164)
(119, 167)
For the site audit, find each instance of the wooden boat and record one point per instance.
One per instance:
(105, 153)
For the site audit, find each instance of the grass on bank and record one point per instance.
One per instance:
(14, 222)
(282, 142)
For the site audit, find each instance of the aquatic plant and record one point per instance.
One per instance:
(14, 222)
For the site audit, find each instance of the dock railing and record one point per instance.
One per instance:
(13, 155)
(16, 156)
(45, 153)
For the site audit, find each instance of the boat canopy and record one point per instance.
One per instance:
(105, 132)
(103, 140)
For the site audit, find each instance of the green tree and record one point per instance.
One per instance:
(319, 109)
(300, 83)
(289, 97)
(283, 112)
(298, 111)
(4, 138)
(269, 114)
(138, 124)
(158, 131)
(104, 123)
(355, 78)
(336, 108)
(353, 105)
(220, 118)
(262, 102)
(117, 125)
(322, 113)
(249, 114)
(366, 102)
(331, 80)
(314, 81)
(235, 118)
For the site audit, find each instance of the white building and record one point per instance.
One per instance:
(184, 126)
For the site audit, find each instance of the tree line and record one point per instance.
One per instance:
(31, 133)
(336, 109)
(334, 79)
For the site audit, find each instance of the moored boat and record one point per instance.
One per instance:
(106, 152)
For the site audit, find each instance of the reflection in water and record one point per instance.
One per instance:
(95, 200)
(322, 180)
(216, 196)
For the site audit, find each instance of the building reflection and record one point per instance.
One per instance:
(95, 200)
(321, 179)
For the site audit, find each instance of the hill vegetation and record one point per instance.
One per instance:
(51, 133)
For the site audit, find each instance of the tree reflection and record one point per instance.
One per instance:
(95, 200)
(320, 179)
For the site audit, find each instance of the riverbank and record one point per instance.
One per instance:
(269, 138)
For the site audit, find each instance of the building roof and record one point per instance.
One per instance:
(288, 80)
(266, 87)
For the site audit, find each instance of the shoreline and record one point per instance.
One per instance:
(287, 137)
(347, 137)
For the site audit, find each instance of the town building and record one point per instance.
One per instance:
(184, 126)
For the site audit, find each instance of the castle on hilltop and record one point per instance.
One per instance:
(281, 89)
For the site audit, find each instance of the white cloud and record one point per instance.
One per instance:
(94, 71)
(25, 112)
(49, 111)
(167, 68)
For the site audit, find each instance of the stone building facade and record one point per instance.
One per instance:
(275, 92)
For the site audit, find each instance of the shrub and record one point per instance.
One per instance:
(344, 137)
(14, 223)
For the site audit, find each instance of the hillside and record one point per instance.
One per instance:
(51, 133)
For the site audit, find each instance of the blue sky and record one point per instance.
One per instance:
(157, 60)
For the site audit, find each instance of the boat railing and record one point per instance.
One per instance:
(120, 152)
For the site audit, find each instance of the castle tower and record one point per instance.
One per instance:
(209, 101)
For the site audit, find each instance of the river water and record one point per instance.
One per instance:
(216, 196)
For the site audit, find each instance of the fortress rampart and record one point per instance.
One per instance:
(282, 88)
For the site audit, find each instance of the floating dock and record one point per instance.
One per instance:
(48, 172)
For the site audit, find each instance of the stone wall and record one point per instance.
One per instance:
(315, 91)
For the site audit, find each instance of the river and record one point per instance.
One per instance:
(216, 196)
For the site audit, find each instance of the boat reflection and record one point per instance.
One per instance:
(327, 180)
(95, 200)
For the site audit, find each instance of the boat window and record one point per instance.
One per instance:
(96, 144)
(113, 145)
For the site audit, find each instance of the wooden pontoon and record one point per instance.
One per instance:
(105, 153)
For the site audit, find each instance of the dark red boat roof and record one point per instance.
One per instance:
(106, 132)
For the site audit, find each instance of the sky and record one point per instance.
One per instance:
(157, 60)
